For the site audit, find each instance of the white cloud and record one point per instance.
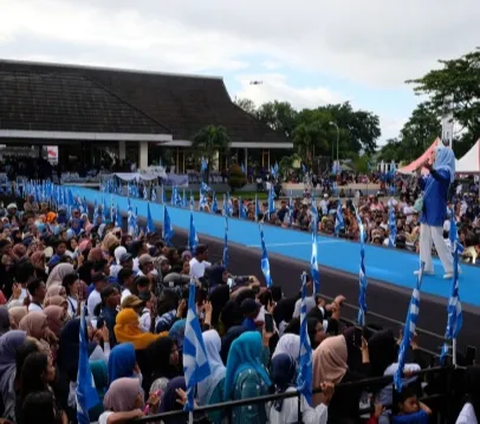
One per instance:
(275, 86)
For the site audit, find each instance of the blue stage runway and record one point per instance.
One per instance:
(382, 264)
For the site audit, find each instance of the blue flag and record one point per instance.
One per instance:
(225, 244)
(362, 277)
(164, 195)
(131, 220)
(150, 224)
(214, 204)
(314, 262)
(154, 194)
(339, 223)
(409, 329)
(203, 165)
(167, 230)
(86, 393)
(305, 367)
(454, 307)
(192, 236)
(195, 360)
(118, 217)
(265, 263)
(392, 224)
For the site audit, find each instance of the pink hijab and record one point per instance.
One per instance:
(55, 316)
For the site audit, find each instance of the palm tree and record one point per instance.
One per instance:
(208, 141)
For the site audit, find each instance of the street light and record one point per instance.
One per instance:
(334, 124)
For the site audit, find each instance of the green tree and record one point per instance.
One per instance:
(392, 150)
(210, 140)
(280, 116)
(236, 177)
(458, 80)
(419, 132)
(247, 105)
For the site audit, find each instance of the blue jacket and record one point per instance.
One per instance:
(435, 188)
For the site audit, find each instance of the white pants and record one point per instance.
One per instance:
(429, 234)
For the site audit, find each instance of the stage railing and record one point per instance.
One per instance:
(364, 383)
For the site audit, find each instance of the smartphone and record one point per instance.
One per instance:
(470, 354)
(269, 328)
(230, 283)
(358, 337)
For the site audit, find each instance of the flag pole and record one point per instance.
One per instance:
(454, 351)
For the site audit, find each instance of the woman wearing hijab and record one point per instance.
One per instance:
(285, 411)
(57, 301)
(127, 330)
(16, 314)
(211, 390)
(171, 401)
(35, 325)
(38, 261)
(177, 333)
(122, 362)
(330, 365)
(57, 274)
(434, 212)
(164, 358)
(228, 339)
(289, 344)
(56, 317)
(247, 377)
(123, 402)
(9, 344)
(100, 377)
(56, 290)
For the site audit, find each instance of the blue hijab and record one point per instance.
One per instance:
(244, 354)
(284, 373)
(445, 161)
(121, 362)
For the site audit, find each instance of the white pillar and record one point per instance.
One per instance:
(143, 155)
(122, 150)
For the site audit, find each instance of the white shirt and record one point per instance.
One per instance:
(289, 412)
(93, 300)
(467, 415)
(103, 419)
(72, 306)
(197, 269)
(125, 293)
(33, 307)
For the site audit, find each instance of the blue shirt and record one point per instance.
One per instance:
(420, 417)
(435, 188)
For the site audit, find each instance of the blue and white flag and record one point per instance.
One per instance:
(339, 223)
(290, 212)
(409, 329)
(392, 225)
(195, 360)
(192, 200)
(242, 209)
(202, 204)
(265, 263)
(214, 204)
(154, 194)
(105, 211)
(271, 202)
(225, 244)
(96, 214)
(131, 219)
(150, 224)
(454, 307)
(314, 263)
(192, 236)
(362, 277)
(86, 393)
(258, 212)
(118, 217)
(203, 165)
(305, 366)
(184, 199)
(167, 230)
(314, 208)
(145, 192)
(205, 187)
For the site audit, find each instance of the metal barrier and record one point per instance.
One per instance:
(365, 383)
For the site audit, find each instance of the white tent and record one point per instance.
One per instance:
(470, 163)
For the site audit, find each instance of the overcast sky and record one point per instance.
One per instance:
(308, 52)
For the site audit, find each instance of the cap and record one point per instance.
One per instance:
(125, 257)
(12, 206)
(145, 259)
(98, 276)
(132, 301)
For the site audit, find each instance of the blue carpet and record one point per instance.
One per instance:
(387, 265)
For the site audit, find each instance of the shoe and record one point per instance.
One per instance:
(424, 272)
(448, 276)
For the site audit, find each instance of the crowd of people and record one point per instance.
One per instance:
(135, 290)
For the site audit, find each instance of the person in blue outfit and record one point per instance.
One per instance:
(435, 188)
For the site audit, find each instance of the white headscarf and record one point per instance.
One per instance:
(289, 344)
(205, 389)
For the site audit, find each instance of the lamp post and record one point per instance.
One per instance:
(334, 124)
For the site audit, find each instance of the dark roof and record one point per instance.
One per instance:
(182, 103)
(66, 102)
